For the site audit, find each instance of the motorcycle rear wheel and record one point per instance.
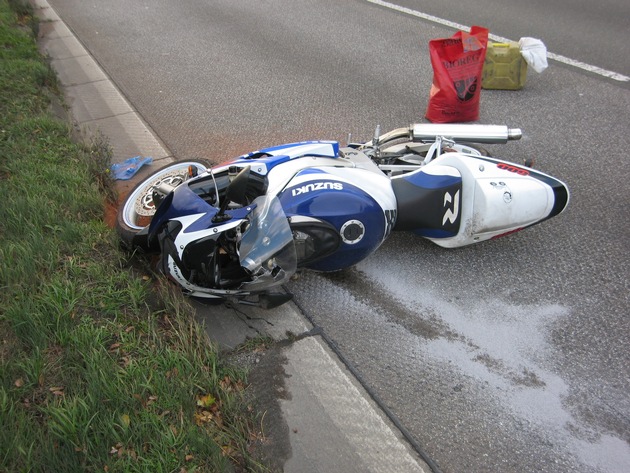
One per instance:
(419, 159)
(137, 210)
(483, 151)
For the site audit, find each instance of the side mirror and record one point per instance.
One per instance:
(237, 189)
(235, 192)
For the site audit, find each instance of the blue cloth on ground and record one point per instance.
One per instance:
(128, 168)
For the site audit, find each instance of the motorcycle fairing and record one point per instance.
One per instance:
(183, 247)
(187, 199)
(358, 204)
(266, 159)
(181, 202)
(263, 256)
(559, 188)
(499, 198)
(429, 201)
(321, 148)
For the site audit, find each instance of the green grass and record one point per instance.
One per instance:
(101, 369)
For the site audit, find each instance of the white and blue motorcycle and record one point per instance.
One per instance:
(238, 231)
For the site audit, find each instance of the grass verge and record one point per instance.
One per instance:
(100, 370)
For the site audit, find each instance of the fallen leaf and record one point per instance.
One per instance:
(205, 401)
(226, 383)
(125, 419)
(256, 436)
(203, 417)
(229, 385)
(117, 449)
(227, 450)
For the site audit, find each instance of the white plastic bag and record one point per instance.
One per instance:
(534, 52)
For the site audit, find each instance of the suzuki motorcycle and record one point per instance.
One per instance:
(237, 231)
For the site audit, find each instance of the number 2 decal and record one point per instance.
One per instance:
(451, 214)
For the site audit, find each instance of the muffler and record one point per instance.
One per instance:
(491, 134)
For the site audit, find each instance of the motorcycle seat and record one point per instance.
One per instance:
(429, 201)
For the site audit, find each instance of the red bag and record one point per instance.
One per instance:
(457, 68)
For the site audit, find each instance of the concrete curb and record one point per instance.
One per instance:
(95, 101)
(332, 424)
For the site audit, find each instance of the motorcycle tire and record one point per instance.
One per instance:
(483, 151)
(137, 210)
(396, 141)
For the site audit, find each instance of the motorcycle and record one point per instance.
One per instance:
(239, 230)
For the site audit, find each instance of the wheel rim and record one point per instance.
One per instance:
(139, 208)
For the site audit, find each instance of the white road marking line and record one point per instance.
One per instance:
(451, 24)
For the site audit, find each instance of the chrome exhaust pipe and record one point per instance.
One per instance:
(491, 134)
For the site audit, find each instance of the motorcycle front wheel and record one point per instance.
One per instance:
(137, 210)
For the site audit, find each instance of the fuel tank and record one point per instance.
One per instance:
(339, 215)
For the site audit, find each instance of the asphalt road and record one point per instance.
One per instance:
(508, 356)
(595, 33)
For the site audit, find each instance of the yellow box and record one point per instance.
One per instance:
(504, 67)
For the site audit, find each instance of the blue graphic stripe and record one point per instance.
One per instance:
(431, 181)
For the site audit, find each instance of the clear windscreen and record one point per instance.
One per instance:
(267, 250)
